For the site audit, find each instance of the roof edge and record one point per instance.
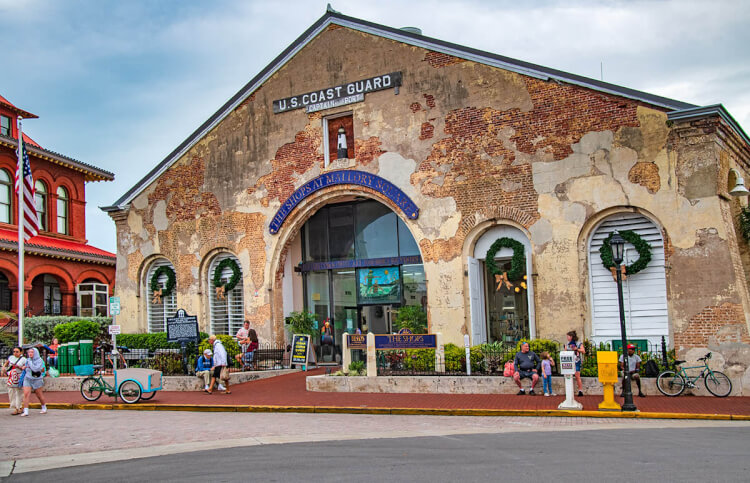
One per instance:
(61, 158)
(333, 17)
(709, 111)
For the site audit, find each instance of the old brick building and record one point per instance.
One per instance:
(63, 274)
(369, 167)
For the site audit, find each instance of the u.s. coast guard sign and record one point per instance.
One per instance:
(345, 176)
(330, 97)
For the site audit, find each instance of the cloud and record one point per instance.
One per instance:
(121, 84)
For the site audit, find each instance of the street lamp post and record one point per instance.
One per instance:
(617, 243)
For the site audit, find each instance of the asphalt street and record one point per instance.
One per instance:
(613, 454)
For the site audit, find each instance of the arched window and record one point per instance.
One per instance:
(158, 311)
(41, 204)
(62, 210)
(644, 293)
(227, 314)
(5, 196)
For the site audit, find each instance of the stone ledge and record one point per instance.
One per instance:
(474, 385)
(170, 383)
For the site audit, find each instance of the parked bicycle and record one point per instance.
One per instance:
(671, 383)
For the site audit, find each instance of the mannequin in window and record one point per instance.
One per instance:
(341, 152)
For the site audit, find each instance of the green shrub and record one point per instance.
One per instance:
(42, 328)
(152, 342)
(232, 347)
(168, 364)
(302, 323)
(412, 317)
(80, 330)
(455, 358)
(357, 368)
(419, 359)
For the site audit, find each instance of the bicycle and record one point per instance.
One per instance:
(94, 386)
(671, 383)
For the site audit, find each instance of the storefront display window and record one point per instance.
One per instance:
(507, 307)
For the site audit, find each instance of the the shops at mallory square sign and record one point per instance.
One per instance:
(341, 95)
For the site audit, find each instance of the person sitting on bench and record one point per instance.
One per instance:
(249, 348)
(526, 365)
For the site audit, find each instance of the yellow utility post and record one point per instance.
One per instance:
(607, 362)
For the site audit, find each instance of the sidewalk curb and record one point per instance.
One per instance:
(394, 411)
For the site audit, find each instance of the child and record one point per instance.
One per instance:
(547, 364)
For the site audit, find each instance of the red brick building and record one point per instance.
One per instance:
(63, 274)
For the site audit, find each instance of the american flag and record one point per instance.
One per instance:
(30, 221)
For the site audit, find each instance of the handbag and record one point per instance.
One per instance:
(508, 369)
(224, 375)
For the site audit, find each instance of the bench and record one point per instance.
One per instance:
(276, 356)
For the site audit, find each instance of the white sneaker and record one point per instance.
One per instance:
(24, 414)
(546, 394)
(205, 388)
(553, 394)
(43, 411)
(222, 388)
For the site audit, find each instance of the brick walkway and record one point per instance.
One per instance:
(289, 390)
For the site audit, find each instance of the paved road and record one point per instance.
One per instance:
(632, 455)
(73, 437)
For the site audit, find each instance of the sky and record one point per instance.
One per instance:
(120, 84)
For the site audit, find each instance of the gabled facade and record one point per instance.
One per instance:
(368, 168)
(63, 274)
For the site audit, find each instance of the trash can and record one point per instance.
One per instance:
(86, 350)
(73, 354)
(62, 359)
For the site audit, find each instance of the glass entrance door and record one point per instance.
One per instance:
(377, 319)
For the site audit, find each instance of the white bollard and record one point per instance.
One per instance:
(468, 354)
(372, 360)
(568, 369)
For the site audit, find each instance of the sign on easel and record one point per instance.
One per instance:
(302, 352)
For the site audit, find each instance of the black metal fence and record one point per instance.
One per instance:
(491, 359)
(267, 357)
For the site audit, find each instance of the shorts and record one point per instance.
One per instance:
(248, 357)
(578, 366)
(33, 382)
(526, 374)
(217, 372)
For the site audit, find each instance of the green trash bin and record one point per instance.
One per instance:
(62, 359)
(73, 355)
(86, 350)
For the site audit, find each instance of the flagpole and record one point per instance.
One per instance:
(21, 240)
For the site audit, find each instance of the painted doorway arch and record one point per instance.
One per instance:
(481, 316)
(644, 293)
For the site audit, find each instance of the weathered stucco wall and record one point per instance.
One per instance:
(472, 146)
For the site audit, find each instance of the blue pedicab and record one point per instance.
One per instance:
(131, 385)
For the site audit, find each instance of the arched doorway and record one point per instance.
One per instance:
(5, 293)
(500, 312)
(359, 264)
(45, 297)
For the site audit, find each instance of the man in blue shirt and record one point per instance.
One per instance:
(203, 368)
(526, 365)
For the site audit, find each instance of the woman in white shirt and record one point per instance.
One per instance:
(13, 367)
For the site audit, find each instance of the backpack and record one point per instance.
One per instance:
(651, 369)
(508, 369)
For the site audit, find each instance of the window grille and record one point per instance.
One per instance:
(158, 313)
(228, 315)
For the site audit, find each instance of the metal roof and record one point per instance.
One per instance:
(92, 172)
(332, 17)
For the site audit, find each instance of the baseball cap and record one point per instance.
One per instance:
(207, 352)
(631, 346)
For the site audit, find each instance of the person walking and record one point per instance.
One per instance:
(220, 366)
(14, 367)
(577, 347)
(547, 364)
(33, 380)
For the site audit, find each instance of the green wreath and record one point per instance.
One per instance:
(517, 263)
(166, 291)
(641, 246)
(236, 274)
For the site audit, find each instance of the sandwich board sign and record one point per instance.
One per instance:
(302, 352)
